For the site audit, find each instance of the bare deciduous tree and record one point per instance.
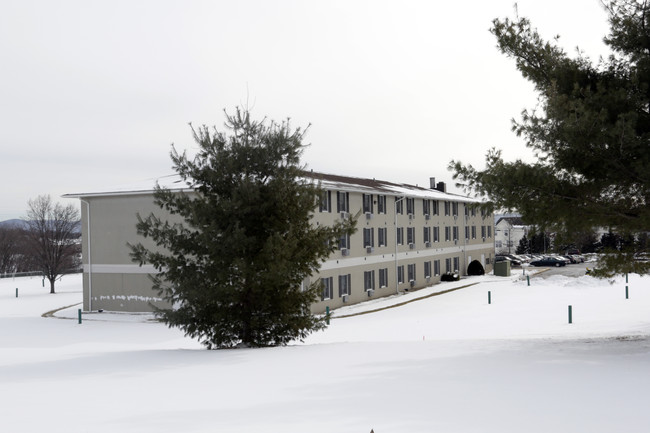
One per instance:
(51, 233)
(9, 249)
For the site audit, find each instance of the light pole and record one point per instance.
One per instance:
(396, 275)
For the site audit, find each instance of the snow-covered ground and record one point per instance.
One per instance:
(448, 363)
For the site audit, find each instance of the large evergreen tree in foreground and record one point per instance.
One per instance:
(590, 134)
(233, 270)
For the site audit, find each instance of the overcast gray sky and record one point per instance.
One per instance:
(93, 93)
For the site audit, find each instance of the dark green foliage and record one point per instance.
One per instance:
(540, 243)
(590, 133)
(524, 246)
(233, 269)
(585, 242)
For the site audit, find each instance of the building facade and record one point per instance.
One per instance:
(508, 232)
(407, 237)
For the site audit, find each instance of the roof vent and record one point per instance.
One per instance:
(440, 186)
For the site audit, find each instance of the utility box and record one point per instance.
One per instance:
(502, 269)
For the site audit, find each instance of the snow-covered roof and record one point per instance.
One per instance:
(327, 181)
(513, 221)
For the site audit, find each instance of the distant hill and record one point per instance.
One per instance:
(13, 223)
(18, 223)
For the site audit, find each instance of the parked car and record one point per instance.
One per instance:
(577, 257)
(570, 259)
(503, 258)
(548, 261)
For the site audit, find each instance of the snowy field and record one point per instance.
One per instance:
(448, 363)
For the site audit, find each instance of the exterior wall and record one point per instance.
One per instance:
(360, 260)
(113, 282)
(507, 236)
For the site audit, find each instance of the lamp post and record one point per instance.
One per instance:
(396, 274)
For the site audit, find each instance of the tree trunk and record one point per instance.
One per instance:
(51, 285)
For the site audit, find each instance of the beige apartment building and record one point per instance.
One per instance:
(407, 237)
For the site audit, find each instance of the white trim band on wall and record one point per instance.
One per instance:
(122, 269)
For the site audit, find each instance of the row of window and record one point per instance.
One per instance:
(429, 207)
(429, 234)
(431, 268)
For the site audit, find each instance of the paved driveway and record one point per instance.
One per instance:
(573, 270)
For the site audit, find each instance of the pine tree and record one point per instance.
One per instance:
(590, 133)
(232, 271)
(524, 246)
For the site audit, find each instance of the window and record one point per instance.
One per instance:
(427, 234)
(400, 274)
(473, 232)
(410, 206)
(455, 231)
(427, 269)
(382, 236)
(411, 272)
(383, 277)
(489, 230)
(436, 234)
(447, 208)
(498, 244)
(399, 205)
(426, 206)
(326, 202)
(344, 242)
(400, 235)
(466, 211)
(410, 235)
(436, 267)
(456, 264)
(454, 206)
(328, 288)
(342, 201)
(381, 204)
(466, 232)
(447, 234)
(483, 232)
(447, 265)
(367, 203)
(344, 284)
(369, 280)
(435, 207)
(368, 237)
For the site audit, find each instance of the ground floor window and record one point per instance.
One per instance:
(328, 288)
(383, 277)
(344, 284)
(369, 280)
(411, 272)
(427, 269)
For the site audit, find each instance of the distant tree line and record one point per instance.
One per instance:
(48, 241)
(542, 242)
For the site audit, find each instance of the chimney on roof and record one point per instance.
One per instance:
(432, 182)
(440, 186)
